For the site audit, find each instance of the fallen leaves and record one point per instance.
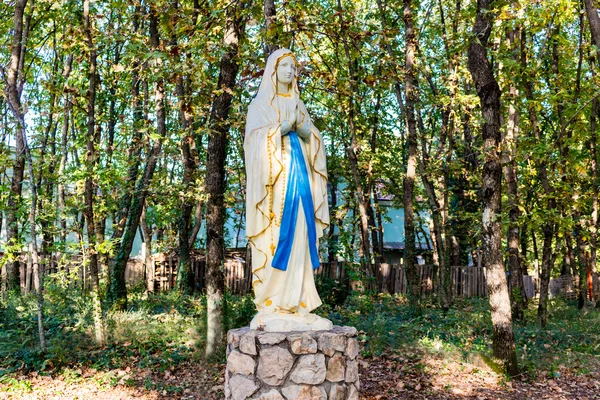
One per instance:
(191, 380)
(407, 376)
(398, 375)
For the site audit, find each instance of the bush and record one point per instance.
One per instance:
(332, 292)
(241, 310)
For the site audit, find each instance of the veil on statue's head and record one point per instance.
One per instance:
(264, 102)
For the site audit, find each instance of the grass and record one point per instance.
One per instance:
(156, 332)
(159, 332)
(386, 323)
(571, 339)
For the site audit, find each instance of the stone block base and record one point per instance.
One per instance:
(311, 365)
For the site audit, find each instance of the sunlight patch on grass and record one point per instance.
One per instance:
(12, 385)
(436, 345)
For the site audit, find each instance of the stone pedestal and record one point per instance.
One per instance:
(311, 365)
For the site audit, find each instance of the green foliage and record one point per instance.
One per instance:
(157, 331)
(161, 331)
(386, 323)
(16, 385)
(333, 292)
(570, 339)
(349, 58)
(240, 310)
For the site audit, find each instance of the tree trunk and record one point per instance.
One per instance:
(436, 233)
(117, 292)
(377, 255)
(198, 216)
(45, 181)
(570, 265)
(103, 257)
(112, 113)
(187, 205)
(13, 92)
(596, 189)
(489, 95)
(546, 269)
(548, 226)
(582, 259)
(470, 161)
(184, 282)
(363, 201)
(372, 192)
(271, 31)
(579, 222)
(594, 21)
(439, 215)
(536, 254)
(352, 152)
(215, 177)
(410, 94)
(379, 217)
(148, 259)
(524, 239)
(446, 270)
(91, 151)
(517, 290)
(37, 279)
(89, 190)
(2, 174)
(135, 148)
(63, 159)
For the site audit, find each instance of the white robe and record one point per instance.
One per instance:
(267, 165)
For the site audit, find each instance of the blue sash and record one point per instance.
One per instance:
(298, 189)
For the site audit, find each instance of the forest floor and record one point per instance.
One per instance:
(155, 348)
(389, 377)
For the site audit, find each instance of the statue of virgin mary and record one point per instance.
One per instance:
(286, 200)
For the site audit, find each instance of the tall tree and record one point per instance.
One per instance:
(35, 257)
(594, 22)
(134, 152)
(410, 93)
(510, 176)
(549, 224)
(595, 113)
(14, 89)
(117, 292)
(91, 159)
(215, 174)
(61, 198)
(354, 148)
(489, 95)
(15, 83)
(189, 160)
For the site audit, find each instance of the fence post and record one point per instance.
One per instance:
(385, 275)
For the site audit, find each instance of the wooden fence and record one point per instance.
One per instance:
(238, 277)
(163, 271)
(391, 278)
(567, 286)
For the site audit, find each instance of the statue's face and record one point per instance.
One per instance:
(286, 70)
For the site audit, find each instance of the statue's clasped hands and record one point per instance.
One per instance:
(291, 125)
